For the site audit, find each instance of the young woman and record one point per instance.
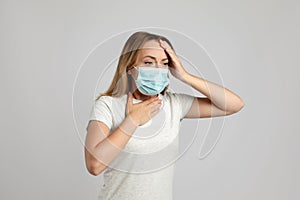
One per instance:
(137, 96)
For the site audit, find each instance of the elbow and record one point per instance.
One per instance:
(95, 169)
(238, 106)
(241, 105)
(93, 166)
(94, 172)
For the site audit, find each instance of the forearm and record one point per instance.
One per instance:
(220, 96)
(109, 148)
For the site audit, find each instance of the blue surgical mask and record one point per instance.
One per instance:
(152, 80)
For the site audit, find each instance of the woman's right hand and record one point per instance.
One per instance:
(142, 112)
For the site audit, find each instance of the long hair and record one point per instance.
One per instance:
(120, 83)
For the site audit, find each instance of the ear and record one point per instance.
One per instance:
(129, 71)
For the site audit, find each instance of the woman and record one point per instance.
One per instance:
(137, 95)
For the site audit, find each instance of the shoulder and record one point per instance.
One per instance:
(180, 98)
(104, 98)
(173, 98)
(105, 101)
(182, 102)
(110, 101)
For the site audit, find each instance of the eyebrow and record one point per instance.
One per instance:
(154, 58)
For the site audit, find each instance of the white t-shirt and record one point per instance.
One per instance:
(145, 167)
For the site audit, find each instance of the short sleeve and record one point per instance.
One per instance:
(101, 111)
(185, 103)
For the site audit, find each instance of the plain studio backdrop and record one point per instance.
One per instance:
(255, 45)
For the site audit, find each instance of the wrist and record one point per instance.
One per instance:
(185, 77)
(128, 126)
(132, 120)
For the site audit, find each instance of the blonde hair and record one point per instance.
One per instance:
(120, 84)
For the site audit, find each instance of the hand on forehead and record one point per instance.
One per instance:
(152, 50)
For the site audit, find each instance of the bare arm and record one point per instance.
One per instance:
(219, 101)
(101, 149)
(220, 96)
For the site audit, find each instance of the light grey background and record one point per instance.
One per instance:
(254, 43)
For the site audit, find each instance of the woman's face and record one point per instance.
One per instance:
(150, 55)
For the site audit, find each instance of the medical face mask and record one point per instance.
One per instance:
(152, 80)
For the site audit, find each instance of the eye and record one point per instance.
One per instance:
(148, 62)
(167, 63)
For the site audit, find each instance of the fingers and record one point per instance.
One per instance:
(166, 46)
(155, 110)
(151, 100)
(163, 44)
(154, 105)
(169, 52)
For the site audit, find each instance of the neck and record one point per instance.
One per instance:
(138, 95)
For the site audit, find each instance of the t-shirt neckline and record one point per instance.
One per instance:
(160, 96)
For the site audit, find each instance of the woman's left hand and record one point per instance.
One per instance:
(175, 65)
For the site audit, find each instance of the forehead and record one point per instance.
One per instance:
(152, 48)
